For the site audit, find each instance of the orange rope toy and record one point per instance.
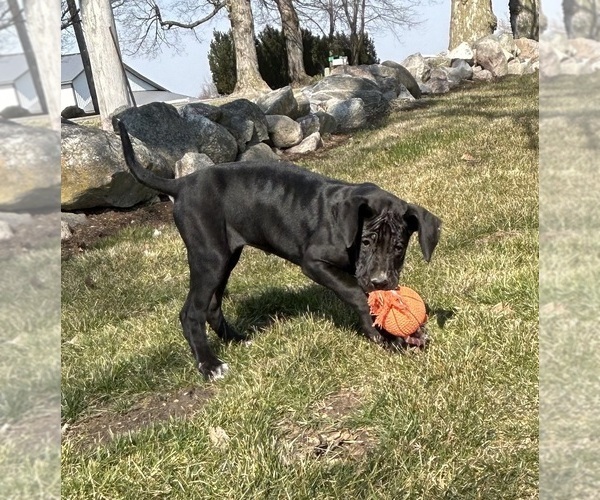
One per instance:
(399, 312)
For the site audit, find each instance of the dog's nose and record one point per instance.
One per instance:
(380, 282)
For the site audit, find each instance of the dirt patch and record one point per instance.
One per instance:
(327, 436)
(102, 223)
(105, 426)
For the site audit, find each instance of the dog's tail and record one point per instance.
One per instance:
(143, 175)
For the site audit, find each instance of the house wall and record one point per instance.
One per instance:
(67, 96)
(82, 92)
(27, 94)
(8, 97)
(138, 84)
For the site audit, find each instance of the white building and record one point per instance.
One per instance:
(17, 89)
(16, 84)
(75, 90)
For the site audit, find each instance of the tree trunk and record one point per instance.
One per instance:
(471, 20)
(524, 18)
(293, 41)
(582, 18)
(246, 61)
(109, 76)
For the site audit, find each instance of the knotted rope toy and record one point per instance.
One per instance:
(401, 313)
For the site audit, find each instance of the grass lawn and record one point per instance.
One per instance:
(569, 292)
(311, 410)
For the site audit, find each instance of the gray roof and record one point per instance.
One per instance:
(71, 66)
(12, 67)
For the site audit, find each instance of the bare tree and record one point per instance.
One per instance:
(358, 16)
(471, 20)
(582, 18)
(152, 26)
(525, 18)
(293, 41)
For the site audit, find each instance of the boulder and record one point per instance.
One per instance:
(404, 77)
(490, 56)
(309, 124)
(258, 152)
(438, 82)
(193, 109)
(245, 121)
(72, 112)
(303, 105)
(349, 114)
(161, 127)
(94, 173)
(417, 66)
(528, 49)
(212, 139)
(16, 220)
(482, 75)
(507, 42)
(463, 52)
(460, 70)
(278, 102)
(584, 48)
(190, 163)
(345, 87)
(29, 168)
(283, 131)
(327, 123)
(551, 58)
(310, 143)
(65, 231)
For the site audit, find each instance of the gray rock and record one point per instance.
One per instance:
(72, 112)
(404, 77)
(6, 232)
(249, 110)
(73, 219)
(278, 102)
(194, 109)
(417, 66)
(463, 52)
(283, 131)
(94, 173)
(213, 139)
(303, 105)
(584, 48)
(160, 126)
(438, 82)
(438, 61)
(310, 143)
(461, 70)
(482, 75)
(309, 124)
(349, 114)
(29, 168)
(327, 123)
(490, 56)
(258, 152)
(507, 42)
(345, 87)
(190, 163)
(528, 49)
(65, 231)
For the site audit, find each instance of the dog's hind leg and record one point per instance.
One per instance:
(216, 320)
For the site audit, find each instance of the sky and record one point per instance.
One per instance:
(188, 71)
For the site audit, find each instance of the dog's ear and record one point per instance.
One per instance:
(428, 227)
(348, 215)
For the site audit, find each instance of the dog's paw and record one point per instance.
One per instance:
(213, 371)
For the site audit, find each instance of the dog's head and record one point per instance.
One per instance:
(376, 226)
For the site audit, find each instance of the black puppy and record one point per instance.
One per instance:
(351, 238)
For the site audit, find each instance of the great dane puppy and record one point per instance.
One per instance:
(350, 238)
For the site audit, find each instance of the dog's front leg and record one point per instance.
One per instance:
(346, 288)
(193, 321)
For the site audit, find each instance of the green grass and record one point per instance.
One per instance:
(311, 409)
(30, 374)
(569, 293)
